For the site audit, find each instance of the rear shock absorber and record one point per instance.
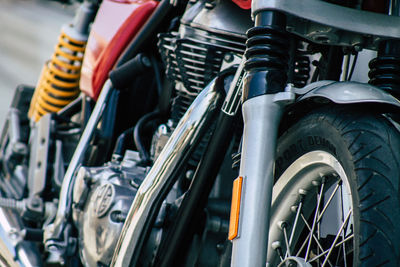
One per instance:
(267, 55)
(58, 84)
(385, 68)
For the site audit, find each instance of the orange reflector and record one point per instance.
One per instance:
(235, 208)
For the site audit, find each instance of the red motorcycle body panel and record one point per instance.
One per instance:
(116, 23)
(245, 4)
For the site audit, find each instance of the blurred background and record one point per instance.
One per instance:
(28, 33)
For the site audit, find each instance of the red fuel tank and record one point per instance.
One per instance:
(116, 24)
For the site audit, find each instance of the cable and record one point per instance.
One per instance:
(144, 154)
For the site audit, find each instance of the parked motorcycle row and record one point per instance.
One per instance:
(208, 133)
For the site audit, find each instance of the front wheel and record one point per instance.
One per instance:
(336, 197)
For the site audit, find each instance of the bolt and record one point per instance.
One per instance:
(20, 148)
(189, 174)
(229, 57)
(170, 123)
(302, 192)
(13, 233)
(316, 183)
(145, 61)
(282, 224)
(358, 48)
(276, 245)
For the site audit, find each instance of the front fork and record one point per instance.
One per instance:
(265, 95)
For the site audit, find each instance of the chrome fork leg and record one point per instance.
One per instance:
(261, 117)
(264, 98)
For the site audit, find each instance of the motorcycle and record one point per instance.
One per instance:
(203, 133)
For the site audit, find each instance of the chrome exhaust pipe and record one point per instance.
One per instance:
(161, 176)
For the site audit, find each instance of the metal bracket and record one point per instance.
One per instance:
(318, 21)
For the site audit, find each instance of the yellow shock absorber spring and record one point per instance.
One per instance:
(58, 84)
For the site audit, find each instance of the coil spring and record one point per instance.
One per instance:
(58, 84)
(301, 69)
(385, 73)
(267, 48)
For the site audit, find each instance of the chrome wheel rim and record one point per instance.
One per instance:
(312, 196)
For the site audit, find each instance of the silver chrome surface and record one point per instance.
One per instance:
(347, 93)
(38, 158)
(320, 21)
(54, 230)
(102, 197)
(295, 261)
(17, 252)
(223, 18)
(261, 117)
(300, 178)
(233, 99)
(79, 29)
(184, 136)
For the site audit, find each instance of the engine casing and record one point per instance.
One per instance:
(101, 200)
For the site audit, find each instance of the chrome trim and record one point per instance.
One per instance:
(13, 249)
(53, 232)
(307, 169)
(318, 21)
(261, 117)
(222, 18)
(347, 93)
(233, 98)
(160, 175)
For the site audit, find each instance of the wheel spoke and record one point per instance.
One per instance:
(337, 245)
(295, 222)
(345, 230)
(314, 220)
(286, 241)
(329, 200)
(337, 237)
(303, 245)
(315, 238)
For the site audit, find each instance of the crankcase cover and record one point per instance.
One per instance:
(102, 198)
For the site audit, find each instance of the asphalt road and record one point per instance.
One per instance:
(28, 34)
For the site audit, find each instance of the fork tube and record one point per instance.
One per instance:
(264, 99)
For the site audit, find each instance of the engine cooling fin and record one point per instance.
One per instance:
(193, 62)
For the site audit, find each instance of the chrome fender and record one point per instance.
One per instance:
(346, 93)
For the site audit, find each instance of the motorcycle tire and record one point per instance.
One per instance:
(338, 171)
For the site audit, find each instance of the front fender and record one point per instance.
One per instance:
(346, 93)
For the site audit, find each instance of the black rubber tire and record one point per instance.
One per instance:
(368, 147)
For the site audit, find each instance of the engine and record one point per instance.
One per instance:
(101, 200)
(209, 35)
